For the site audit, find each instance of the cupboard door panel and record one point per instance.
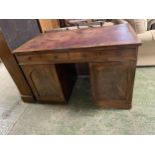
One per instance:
(44, 82)
(112, 83)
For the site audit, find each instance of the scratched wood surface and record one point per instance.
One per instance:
(14, 70)
(121, 34)
(111, 53)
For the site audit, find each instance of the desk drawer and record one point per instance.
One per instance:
(78, 56)
(109, 55)
(81, 55)
(100, 55)
(40, 58)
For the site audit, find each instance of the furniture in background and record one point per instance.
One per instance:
(15, 71)
(15, 33)
(146, 53)
(48, 24)
(83, 22)
(151, 24)
(18, 31)
(47, 62)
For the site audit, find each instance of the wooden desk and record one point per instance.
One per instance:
(111, 52)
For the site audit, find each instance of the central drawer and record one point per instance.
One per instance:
(76, 56)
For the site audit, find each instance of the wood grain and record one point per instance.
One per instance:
(112, 83)
(48, 63)
(82, 38)
(48, 24)
(44, 82)
(15, 71)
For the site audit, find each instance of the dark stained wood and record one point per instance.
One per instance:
(51, 83)
(13, 68)
(111, 53)
(44, 82)
(83, 38)
(77, 56)
(112, 83)
(48, 24)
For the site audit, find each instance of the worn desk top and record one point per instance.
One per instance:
(121, 34)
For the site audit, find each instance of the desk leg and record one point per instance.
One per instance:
(112, 83)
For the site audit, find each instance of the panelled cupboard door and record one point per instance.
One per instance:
(44, 82)
(112, 83)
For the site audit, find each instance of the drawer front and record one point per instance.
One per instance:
(40, 58)
(100, 55)
(114, 55)
(79, 56)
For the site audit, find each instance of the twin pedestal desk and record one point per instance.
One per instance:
(48, 64)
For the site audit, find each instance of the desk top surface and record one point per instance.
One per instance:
(121, 34)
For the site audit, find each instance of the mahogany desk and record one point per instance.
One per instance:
(47, 62)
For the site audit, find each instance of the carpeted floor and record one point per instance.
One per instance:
(80, 116)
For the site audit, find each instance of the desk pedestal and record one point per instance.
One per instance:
(112, 83)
